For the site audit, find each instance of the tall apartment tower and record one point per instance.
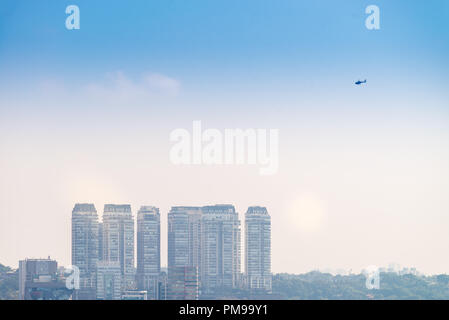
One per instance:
(184, 252)
(118, 241)
(148, 250)
(85, 248)
(184, 237)
(220, 246)
(258, 249)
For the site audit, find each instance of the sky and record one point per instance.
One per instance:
(363, 179)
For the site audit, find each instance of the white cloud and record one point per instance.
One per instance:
(160, 82)
(118, 86)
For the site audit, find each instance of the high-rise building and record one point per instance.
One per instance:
(258, 249)
(39, 279)
(109, 280)
(148, 250)
(85, 248)
(118, 241)
(220, 248)
(184, 248)
(184, 237)
(178, 238)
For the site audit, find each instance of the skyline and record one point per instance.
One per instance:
(86, 116)
(145, 209)
(204, 246)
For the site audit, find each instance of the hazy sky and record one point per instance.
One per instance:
(85, 116)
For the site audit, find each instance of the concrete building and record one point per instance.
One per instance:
(85, 248)
(220, 247)
(183, 283)
(39, 279)
(148, 250)
(178, 238)
(258, 249)
(194, 220)
(184, 237)
(184, 250)
(118, 241)
(109, 280)
(100, 241)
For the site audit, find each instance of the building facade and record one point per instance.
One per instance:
(100, 241)
(39, 279)
(162, 293)
(258, 249)
(184, 250)
(220, 247)
(148, 250)
(85, 248)
(109, 280)
(183, 283)
(118, 241)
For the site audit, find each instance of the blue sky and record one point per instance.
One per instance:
(260, 53)
(224, 40)
(85, 116)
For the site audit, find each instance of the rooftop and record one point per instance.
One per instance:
(124, 208)
(257, 210)
(84, 207)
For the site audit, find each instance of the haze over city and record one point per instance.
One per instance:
(363, 177)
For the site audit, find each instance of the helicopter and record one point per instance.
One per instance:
(360, 82)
